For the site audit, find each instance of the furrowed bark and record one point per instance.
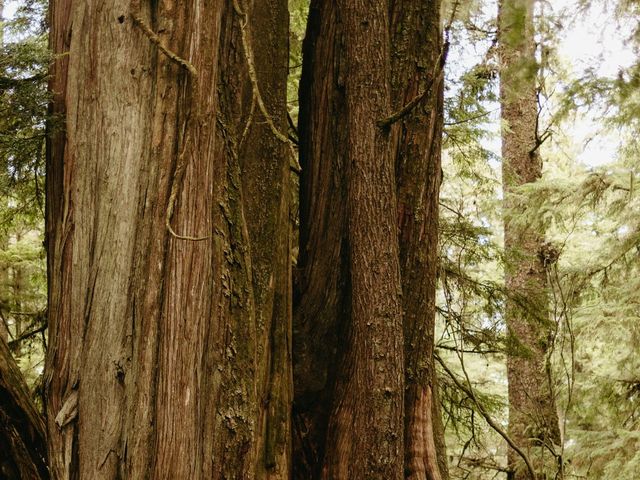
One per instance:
(169, 318)
(23, 450)
(349, 269)
(320, 290)
(416, 56)
(364, 438)
(246, 139)
(533, 419)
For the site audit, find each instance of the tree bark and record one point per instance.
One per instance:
(417, 67)
(340, 79)
(533, 419)
(23, 451)
(321, 280)
(169, 308)
(349, 415)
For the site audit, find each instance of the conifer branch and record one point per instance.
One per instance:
(492, 423)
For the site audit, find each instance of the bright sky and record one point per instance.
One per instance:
(589, 39)
(593, 40)
(10, 8)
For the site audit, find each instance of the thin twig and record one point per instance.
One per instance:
(435, 78)
(249, 120)
(181, 166)
(253, 77)
(28, 334)
(492, 423)
(176, 182)
(153, 38)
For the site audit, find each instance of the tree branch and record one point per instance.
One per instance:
(435, 78)
(153, 37)
(468, 390)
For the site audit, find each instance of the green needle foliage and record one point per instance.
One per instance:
(24, 62)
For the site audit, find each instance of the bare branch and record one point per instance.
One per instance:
(468, 390)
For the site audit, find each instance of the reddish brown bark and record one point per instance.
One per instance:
(350, 415)
(417, 64)
(533, 419)
(167, 355)
(320, 298)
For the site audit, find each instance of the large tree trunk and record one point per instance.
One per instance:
(533, 420)
(169, 308)
(346, 88)
(417, 64)
(349, 413)
(23, 451)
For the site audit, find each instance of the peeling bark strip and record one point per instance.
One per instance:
(23, 450)
(168, 358)
(533, 419)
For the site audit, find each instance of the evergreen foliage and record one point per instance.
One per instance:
(24, 62)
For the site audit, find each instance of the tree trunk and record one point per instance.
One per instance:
(343, 87)
(417, 63)
(23, 451)
(4, 293)
(169, 308)
(533, 420)
(349, 414)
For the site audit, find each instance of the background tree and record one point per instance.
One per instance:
(23, 100)
(533, 420)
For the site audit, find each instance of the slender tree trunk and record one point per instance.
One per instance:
(533, 420)
(350, 415)
(169, 311)
(23, 451)
(4, 293)
(18, 288)
(417, 63)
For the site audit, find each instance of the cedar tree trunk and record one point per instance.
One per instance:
(348, 352)
(417, 63)
(346, 404)
(169, 307)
